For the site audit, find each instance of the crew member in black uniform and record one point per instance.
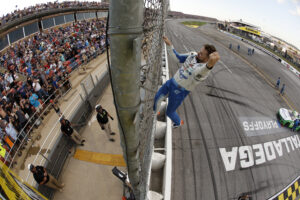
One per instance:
(102, 118)
(66, 128)
(42, 177)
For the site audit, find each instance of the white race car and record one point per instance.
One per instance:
(287, 117)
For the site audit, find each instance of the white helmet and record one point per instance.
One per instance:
(98, 106)
(30, 167)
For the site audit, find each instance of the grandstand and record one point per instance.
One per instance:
(244, 29)
(40, 47)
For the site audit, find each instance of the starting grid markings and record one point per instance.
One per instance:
(290, 192)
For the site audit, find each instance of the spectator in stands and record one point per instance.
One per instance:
(67, 129)
(39, 90)
(42, 177)
(11, 131)
(26, 108)
(3, 114)
(9, 78)
(47, 6)
(44, 57)
(34, 100)
(20, 118)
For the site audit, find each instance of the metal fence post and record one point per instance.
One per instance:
(84, 89)
(82, 99)
(125, 31)
(92, 80)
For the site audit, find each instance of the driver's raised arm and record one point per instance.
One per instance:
(180, 57)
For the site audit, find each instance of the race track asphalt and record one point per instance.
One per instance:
(231, 143)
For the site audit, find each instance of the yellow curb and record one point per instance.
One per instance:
(100, 158)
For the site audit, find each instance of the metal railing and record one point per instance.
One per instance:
(54, 136)
(36, 116)
(136, 50)
(79, 97)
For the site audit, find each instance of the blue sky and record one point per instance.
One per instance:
(280, 18)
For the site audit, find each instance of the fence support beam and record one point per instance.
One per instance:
(125, 31)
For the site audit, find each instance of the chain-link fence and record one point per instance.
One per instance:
(136, 30)
(153, 28)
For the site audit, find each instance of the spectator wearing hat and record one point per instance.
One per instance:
(66, 128)
(42, 177)
(102, 118)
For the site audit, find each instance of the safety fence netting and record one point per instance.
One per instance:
(153, 30)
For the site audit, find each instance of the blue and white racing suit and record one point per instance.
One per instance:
(186, 78)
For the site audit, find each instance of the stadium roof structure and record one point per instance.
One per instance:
(245, 23)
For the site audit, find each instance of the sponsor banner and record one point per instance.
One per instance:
(287, 65)
(249, 30)
(260, 126)
(235, 158)
(13, 188)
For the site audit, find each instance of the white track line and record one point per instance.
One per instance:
(225, 66)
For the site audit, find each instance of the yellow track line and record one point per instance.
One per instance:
(100, 158)
(267, 79)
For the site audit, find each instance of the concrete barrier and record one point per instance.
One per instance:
(81, 115)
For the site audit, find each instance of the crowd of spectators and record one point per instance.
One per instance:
(16, 14)
(45, 59)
